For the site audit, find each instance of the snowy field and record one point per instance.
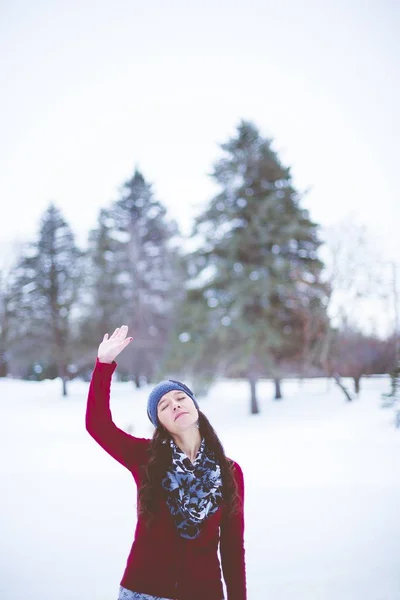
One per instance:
(322, 483)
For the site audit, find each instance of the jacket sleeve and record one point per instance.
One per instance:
(232, 547)
(128, 450)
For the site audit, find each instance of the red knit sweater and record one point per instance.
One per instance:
(161, 562)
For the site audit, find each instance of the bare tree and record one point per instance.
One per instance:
(356, 281)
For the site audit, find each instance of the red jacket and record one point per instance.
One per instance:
(161, 562)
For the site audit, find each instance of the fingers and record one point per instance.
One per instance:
(120, 332)
(126, 342)
(105, 337)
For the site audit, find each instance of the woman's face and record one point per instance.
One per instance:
(177, 411)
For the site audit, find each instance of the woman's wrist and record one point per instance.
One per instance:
(104, 360)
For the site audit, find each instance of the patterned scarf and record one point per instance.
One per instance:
(194, 490)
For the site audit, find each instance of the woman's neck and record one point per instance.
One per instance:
(189, 442)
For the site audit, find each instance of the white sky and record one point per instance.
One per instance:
(89, 89)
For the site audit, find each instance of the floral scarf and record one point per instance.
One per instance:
(194, 490)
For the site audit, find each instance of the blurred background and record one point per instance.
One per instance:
(221, 178)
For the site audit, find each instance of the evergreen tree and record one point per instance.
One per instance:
(44, 293)
(393, 397)
(194, 354)
(147, 270)
(257, 266)
(5, 300)
(101, 303)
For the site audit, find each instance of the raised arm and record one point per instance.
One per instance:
(232, 547)
(126, 449)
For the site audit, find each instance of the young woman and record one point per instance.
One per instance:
(190, 495)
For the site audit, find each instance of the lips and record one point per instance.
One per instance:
(179, 414)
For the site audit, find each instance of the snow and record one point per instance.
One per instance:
(322, 483)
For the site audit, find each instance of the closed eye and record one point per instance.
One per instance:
(165, 405)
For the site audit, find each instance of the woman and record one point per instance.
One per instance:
(190, 495)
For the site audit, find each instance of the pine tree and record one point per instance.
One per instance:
(257, 268)
(45, 291)
(194, 353)
(101, 304)
(393, 397)
(149, 275)
(5, 300)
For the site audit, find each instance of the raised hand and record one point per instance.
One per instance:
(110, 347)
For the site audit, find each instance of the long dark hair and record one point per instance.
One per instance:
(151, 489)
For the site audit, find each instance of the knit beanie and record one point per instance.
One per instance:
(158, 392)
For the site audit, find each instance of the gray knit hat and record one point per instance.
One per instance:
(158, 392)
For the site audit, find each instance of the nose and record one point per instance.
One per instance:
(177, 404)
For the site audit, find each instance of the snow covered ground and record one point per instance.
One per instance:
(322, 491)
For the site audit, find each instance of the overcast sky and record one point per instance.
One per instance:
(90, 89)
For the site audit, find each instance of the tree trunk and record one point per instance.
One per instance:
(254, 409)
(278, 393)
(3, 365)
(336, 377)
(62, 373)
(357, 380)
